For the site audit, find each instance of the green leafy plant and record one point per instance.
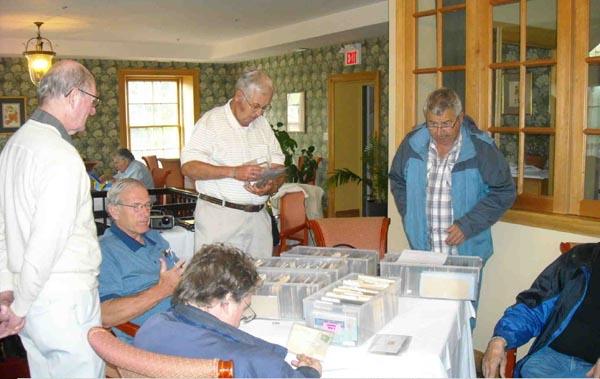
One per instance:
(295, 174)
(287, 143)
(375, 156)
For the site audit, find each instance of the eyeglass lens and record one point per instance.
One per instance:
(138, 207)
(248, 314)
(256, 107)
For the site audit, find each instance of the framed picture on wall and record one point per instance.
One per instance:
(12, 113)
(295, 112)
(510, 93)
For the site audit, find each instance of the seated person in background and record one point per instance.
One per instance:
(128, 167)
(212, 298)
(139, 271)
(561, 310)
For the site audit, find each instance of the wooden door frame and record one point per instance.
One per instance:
(332, 80)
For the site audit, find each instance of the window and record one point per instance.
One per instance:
(440, 55)
(523, 111)
(587, 57)
(530, 76)
(159, 110)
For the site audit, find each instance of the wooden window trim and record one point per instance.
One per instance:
(126, 74)
(563, 223)
(567, 212)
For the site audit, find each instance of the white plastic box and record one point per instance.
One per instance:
(457, 278)
(359, 261)
(282, 292)
(336, 268)
(352, 322)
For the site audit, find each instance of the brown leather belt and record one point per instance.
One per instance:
(223, 203)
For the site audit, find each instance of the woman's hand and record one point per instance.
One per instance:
(304, 360)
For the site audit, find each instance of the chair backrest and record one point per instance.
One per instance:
(128, 328)
(360, 232)
(175, 178)
(159, 176)
(132, 362)
(314, 175)
(292, 219)
(151, 161)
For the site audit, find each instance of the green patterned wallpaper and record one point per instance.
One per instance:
(302, 71)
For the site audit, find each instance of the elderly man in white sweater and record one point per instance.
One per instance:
(49, 252)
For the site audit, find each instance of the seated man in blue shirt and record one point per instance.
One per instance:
(128, 167)
(139, 271)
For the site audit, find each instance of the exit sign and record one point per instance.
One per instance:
(352, 54)
(351, 57)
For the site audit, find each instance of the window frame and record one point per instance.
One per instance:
(567, 210)
(184, 78)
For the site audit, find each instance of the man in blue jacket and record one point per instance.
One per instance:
(450, 182)
(561, 310)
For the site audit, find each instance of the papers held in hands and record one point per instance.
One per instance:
(271, 174)
(310, 341)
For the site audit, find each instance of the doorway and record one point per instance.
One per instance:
(354, 107)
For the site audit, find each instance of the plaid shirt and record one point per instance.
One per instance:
(439, 196)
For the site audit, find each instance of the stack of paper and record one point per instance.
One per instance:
(356, 291)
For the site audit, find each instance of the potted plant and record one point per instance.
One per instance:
(375, 157)
(307, 171)
(536, 151)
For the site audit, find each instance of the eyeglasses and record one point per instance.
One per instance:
(256, 107)
(138, 207)
(96, 100)
(248, 314)
(446, 125)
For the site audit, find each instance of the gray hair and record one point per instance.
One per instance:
(214, 272)
(61, 78)
(441, 99)
(125, 154)
(255, 80)
(113, 197)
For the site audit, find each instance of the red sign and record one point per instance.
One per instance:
(351, 57)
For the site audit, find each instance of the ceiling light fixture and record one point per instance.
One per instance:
(39, 60)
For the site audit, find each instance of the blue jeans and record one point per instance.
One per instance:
(548, 363)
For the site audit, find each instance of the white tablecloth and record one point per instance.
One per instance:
(441, 344)
(181, 241)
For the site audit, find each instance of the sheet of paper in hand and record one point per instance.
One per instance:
(261, 161)
(310, 341)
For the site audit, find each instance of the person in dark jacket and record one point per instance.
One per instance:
(561, 311)
(450, 182)
(211, 300)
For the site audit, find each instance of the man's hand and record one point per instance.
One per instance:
(169, 279)
(494, 357)
(9, 322)
(268, 189)
(455, 235)
(248, 173)
(594, 371)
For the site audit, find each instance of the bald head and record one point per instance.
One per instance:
(61, 77)
(67, 91)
